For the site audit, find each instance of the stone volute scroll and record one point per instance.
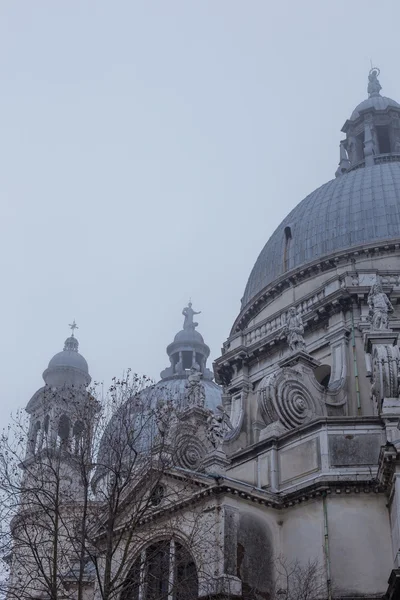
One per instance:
(385, 377)
(382, 357)
(291, 396)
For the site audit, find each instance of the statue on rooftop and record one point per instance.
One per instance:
(374, 87)
(379, 308)
(189, 313)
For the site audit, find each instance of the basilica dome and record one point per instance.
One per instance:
(359, 208)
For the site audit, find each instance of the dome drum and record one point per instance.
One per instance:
(187, 355)
(188, 350)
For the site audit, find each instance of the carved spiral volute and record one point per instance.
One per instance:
(284, 397)
(385, 372)
(189, 452)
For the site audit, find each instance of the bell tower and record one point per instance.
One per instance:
(62, 411)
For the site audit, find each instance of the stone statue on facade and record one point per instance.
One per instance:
(189, 313)
(164, 415)
(217, 425)
(375, 141)
(195, 392)
(379, 308)
(374, 87)
(294, 330)
(352, 150)
(179, 368)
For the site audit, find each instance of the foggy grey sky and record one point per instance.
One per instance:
(148, 151)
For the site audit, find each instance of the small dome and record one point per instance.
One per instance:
(68, 366)
(189, 335)
(68, 358)
(376, 102)
(175, 389)
(136, 415)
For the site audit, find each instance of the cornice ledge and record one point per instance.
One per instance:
(303, 272)
(317, 424)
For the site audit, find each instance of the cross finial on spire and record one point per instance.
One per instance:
(73, 326)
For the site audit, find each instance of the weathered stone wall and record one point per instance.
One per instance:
(359, 544)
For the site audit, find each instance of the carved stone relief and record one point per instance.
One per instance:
(189, 451)
(385, 372)
(291, 397)
(217, 426)
(195, 392)
(284, 397)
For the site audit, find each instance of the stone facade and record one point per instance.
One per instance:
(296, 454)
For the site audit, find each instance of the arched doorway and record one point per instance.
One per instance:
(165, 570)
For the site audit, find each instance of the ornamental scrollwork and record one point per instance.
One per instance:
(284, 397)
(385, 372)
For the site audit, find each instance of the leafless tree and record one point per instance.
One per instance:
(78, 504)
(298, 581)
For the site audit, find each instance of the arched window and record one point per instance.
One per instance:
(78, 436)
(164, 571)
(323, 374)
(288, 239)
(35, 437)
(63, 432)
(46, 424)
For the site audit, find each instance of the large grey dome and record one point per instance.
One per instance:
(361, 207)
